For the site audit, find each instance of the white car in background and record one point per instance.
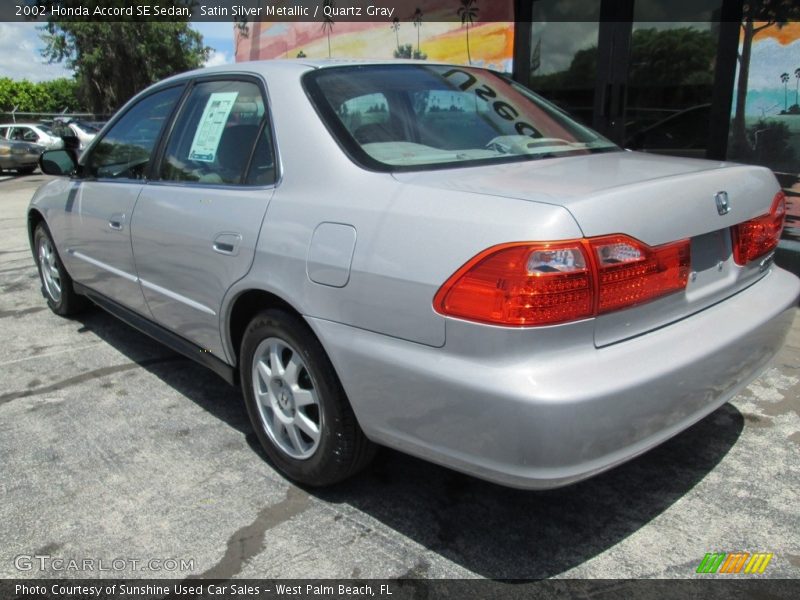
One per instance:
(85, 132)
(34, 133)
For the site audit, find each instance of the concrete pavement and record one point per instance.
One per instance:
(112, 446)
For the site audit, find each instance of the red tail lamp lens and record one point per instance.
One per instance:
(757, 237)
(545, 283)
(521, 284)
(632, 273)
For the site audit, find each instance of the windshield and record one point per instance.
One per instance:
(406, 117)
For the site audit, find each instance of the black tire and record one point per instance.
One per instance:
(67, 302)
(26, 170)
(341, 448)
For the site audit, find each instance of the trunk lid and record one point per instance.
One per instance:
(654, 199)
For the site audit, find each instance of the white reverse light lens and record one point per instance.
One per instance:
(612, 254)
(561, 260)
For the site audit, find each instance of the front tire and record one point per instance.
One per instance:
(56, 282)
(296, 403)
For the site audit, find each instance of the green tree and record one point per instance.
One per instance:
(417, 18)
(660, 59)
(672, 57)
(797, 88)
(62, 95)
(47, 96)
(785, 81)
(23, 95)
(396, 28)
(115, 60)
(328, 22)
(467, 12)
(408, 51)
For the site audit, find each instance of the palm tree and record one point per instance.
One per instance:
(396, 28)
(327, 21)
(417, 17)
(468, 11)
(797, 89)
(785, 80)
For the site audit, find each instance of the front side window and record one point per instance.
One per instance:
(213, 138)
(125, 151)
(401, 117)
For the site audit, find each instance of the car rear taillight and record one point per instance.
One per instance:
(545, 283)
(632, 272)
(521, 284)
(757, 237)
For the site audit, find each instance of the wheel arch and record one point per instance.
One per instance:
(244, 307)
(34, 218)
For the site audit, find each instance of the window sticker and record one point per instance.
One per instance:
(212, 124)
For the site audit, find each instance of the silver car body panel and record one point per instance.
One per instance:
(529, 407)
(191, 244)
(96, 247)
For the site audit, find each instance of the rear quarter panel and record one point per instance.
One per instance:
(409, 239)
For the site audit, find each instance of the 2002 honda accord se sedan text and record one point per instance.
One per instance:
(424, 256)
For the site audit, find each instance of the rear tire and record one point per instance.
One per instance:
(56, 282)
(26, 170)
(296, 403)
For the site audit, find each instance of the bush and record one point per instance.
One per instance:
(46, 96)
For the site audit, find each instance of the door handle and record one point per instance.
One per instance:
(117, 221)
(227, 243)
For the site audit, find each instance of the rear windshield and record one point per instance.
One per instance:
(409, 117)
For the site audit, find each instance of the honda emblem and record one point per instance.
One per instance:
(723, 206)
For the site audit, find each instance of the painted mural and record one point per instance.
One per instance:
(459, 31)
(765, 126)
(766, 111)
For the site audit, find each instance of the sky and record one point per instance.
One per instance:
(20, 47)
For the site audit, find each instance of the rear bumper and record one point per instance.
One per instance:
(541, 415)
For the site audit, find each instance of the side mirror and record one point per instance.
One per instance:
(58, 162)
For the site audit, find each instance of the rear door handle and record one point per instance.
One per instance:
(227, 243)
(117, 221)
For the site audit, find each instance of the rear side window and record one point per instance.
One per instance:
(215, 134)
(3, 132)
(125, 151)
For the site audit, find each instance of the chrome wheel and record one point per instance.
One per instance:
(287, 398)
(51, 277)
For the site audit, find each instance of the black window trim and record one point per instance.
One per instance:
(135, 101)
(266, 121)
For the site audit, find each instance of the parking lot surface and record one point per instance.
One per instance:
(112, 446)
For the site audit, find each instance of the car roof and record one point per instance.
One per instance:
(298, 65)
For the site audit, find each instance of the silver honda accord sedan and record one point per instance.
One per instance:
(424, 256)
